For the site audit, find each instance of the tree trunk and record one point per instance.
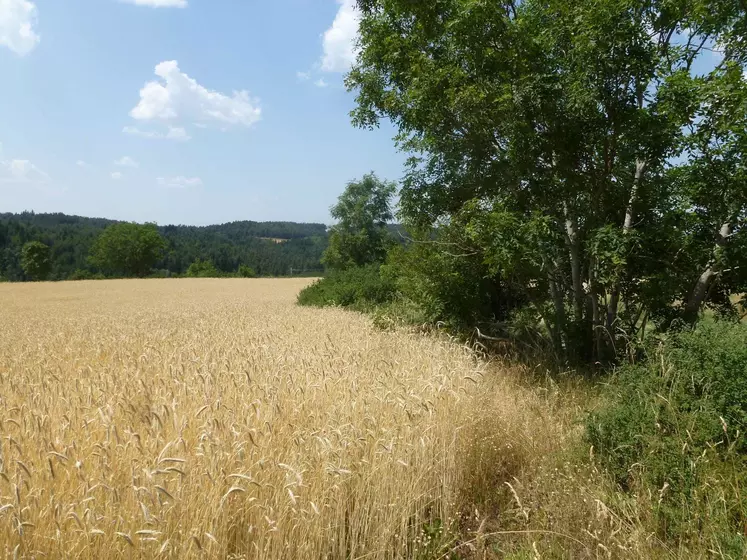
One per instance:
(571, 228)
(560, 319)
(700, 291)
(614, 303)
(602, 351)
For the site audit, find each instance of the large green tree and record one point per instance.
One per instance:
(570, 147)
(361, 237)
(128, 249)
(35, 260)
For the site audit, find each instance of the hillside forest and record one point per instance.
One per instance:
(267, 249)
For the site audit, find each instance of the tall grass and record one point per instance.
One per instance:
(216, 419)
(204, 418)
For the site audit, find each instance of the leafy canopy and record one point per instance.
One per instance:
(128, 249)
(35, 260)
(360, 236)
(571, 151)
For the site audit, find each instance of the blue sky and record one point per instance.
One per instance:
(181, 111)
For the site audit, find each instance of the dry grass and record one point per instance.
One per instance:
(216, 419)
(213, 418)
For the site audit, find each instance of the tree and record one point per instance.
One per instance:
(271, 249)
(35, 260)
(128, 249)
(202, 269)
(360, 236)
(246, 272)
(560, 144)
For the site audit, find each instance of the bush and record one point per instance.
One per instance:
(362, 288)
(675, 430)
(457, 290)
(202, 269)
(246, 272)
(82, 274)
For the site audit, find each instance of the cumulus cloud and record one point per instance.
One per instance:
(22, 171)
(158, 3)
(126, 161)
(303, 76)
(340, 40)
(17, 21)
(82, 164)
(321, 83)
(117, 175)
(179, 182)
(175, 133)
(177, 97)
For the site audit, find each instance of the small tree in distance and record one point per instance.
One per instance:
(246, 271)
(202, 269)
(360, 236)
(128, 249)
(35, 260)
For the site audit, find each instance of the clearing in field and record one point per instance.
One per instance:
(214, 418)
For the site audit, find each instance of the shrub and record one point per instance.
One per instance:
(246, 272)
(362, 288)
(83, 274)
(675, 430)
(455, 289)
(202, 269)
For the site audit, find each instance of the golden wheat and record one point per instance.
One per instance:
(214, 418)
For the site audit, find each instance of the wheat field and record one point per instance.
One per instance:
(217, 419)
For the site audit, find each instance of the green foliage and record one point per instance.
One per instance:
(128, 249)
(675, 427)
(246, 272)
(202, 269)
(358, 245)
(271, 249)
(83, 274)
(35, 260)
(446, 282)
(360, 288)
(597, 179)
(361, 236)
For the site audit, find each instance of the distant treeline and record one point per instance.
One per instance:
(228, 246)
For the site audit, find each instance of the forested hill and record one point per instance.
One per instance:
(270, 248)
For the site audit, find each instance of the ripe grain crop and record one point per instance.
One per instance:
(216, 419)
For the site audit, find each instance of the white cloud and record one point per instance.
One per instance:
(117, 175)
(339, 41)
(17, 20)
(159, 3)
(321, 83)
(22, 171)
(175, 133)
(179, 97)
(179, 182)
(82, 164)
(126, 161)
(303, 76)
